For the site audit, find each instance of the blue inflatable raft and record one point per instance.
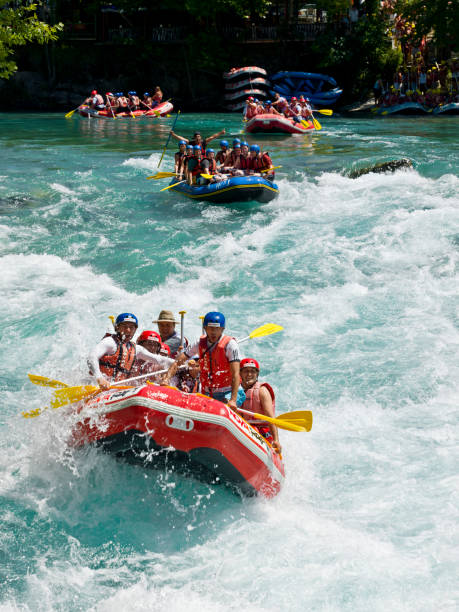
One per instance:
(321, 89)
(234, 189)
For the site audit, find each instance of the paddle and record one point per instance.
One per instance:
(160, 175)
(68, 115)
(70, 395)
(278, 422)
(269, 169)
(44, 381)
(182, 314)
(264, 330)
(168, 140)
(316, 123)
(173, 185)
(324, 111)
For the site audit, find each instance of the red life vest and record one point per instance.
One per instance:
(260, 163)
(244, 162)
(233, 158)
(253, 404)
(214, 364)
(119, 365)
(198, 169)
(212, 165)
(222, 156)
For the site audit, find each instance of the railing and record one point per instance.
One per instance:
(166, 35)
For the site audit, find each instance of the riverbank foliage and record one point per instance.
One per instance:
(19, 25)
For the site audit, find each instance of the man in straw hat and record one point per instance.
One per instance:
(166, 327)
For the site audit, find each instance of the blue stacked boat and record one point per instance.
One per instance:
(321, 89)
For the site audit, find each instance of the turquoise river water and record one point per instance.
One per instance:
(362, 274)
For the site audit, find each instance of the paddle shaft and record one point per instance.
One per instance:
(170, 135)
(182, 314)
(173, 185)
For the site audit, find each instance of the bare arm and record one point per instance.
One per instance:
(223, 131)
(177, 137)
(235, 381)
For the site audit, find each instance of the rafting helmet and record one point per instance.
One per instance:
(149, 335)
(132, 93)
(182, 142)
(236, 140)
(109, 93)
(250, 99)
(189, 147)
(255, 148)
(268, 102)
(197, 148)
(293, 99)
(126, 317)
(248, 362)
(244, 144)
(214, 319)
(210, 151)
(224, 143)
(165, 350)
(94, 92)
(146, 94)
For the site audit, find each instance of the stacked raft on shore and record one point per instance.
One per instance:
(162, 427)
(232, 190)
(321, 89)
(415, 108)
(240, 83)
(161, 110)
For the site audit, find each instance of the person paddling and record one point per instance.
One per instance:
(114, 357)
(218, 361)
(260, 161)
(260, 398)
(179, 158)
(151, 341)
(95, 101)
(198, 139)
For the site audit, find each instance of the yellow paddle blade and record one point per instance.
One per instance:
(277, 422)
(316, 124)
(266, 330)
(325, 111)
(207, 176)
(385, 113)
(299, 417)
(173, 185)
(68, 115)
(160, 175)
(44, 381)
(63, 397)
(273, 168)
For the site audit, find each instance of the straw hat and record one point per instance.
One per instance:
(166, 316)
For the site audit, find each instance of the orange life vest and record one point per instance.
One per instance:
(214, 364)
(260, 163)
(244, 162)
(253, 404)
(212, 165)
(119, 365)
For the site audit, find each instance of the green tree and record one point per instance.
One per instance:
(440, 19)
(19, 25)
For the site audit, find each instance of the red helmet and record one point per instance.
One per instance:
(109, 93)
(165, 350)
(293, 99)
(93, 92)
(248, 362)
(250, 99)
(149, 335)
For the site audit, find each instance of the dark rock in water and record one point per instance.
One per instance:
(389, 166)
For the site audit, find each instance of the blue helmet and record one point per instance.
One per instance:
(189, 146)
(132, 93)
(214, 319)
(236, 141)
(210, 151)
(224, 143)
(244, 144)
(146, 94)
(255, 147)
(182, 142)
(197, 148)
(126, 317)
(120, 93)
(268, 102)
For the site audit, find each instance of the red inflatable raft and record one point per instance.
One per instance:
(276, 123)
(165, 428)
(161, 110)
